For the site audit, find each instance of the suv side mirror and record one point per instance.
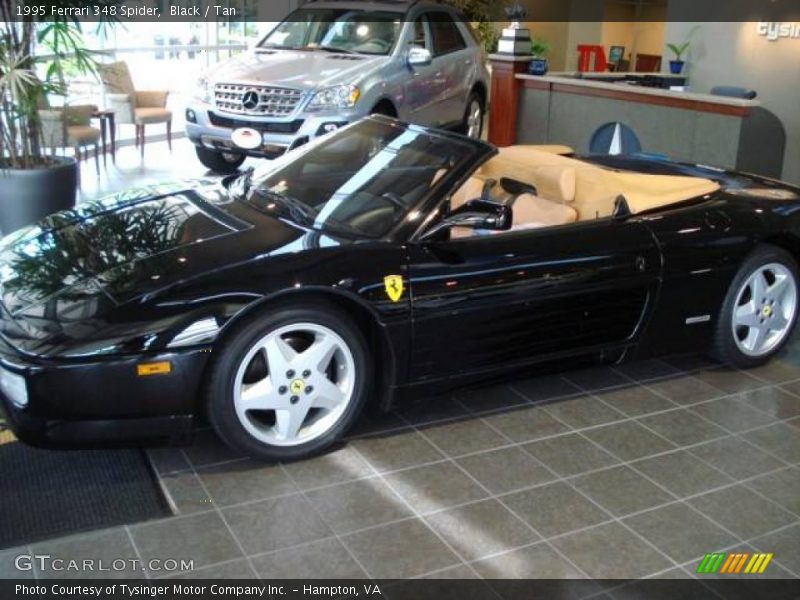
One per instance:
(419, 57)
(475, 214)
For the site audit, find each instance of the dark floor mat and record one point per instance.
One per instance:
(49, 493)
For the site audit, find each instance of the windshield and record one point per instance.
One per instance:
(361, 181)
(363, 32)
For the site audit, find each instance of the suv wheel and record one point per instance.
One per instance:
(473, 118)
(220, 162)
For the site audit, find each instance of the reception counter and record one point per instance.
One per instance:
(569, 109)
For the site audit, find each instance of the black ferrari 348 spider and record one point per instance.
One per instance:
(379, 259)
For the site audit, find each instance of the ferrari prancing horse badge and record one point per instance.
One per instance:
(394, 286)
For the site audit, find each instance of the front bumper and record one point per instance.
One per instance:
(104, 402)
(211, 128)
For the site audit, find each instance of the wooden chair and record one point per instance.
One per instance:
(134, 107)
(648, 63)
(70, 127)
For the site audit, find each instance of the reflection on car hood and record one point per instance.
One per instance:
(304, 70)
(74, 267)
(137, 242)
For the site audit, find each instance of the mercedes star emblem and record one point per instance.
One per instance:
(250, 100)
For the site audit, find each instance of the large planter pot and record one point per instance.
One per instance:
(29, 195)
(676, 66)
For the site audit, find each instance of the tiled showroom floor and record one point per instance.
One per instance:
(623, 472)
(607, 473)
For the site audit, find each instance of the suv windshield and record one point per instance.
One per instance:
(361, 181)
(364, 32)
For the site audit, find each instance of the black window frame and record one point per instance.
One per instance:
(422, 19)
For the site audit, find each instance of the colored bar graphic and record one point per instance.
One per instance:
(727, 565)
(734, 563)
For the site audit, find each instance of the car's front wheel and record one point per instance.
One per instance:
(289, 383)
(760, 309)
(224, 163)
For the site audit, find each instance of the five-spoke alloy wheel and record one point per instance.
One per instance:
(760, 310)
(288, 384)
(765, 308)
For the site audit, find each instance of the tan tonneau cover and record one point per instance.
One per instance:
(590, 189)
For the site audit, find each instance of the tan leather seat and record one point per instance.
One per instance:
(595, 188)
(152, 115)
(531, 211)
(471, 189)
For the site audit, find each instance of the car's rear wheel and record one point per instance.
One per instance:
(472, 125)
(218, 161)
(289, 383)
(760, 309)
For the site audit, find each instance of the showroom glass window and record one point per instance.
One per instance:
(365, 32)
(363, 180)
(446, 36)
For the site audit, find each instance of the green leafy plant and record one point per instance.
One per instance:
(35, 54)
(105, 248)
(482, 14)
(540, 47)
(679, 49)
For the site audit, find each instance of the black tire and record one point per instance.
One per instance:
(219, 389)
(725, 348)
(474, 98)
(224, 163)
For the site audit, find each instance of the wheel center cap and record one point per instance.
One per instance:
(297, 386)
(767, 311)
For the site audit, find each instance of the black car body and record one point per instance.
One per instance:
(111, 313)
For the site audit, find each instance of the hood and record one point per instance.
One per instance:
(76, 267)
(133, 244)
(297, 69)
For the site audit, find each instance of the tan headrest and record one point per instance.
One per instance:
(555, 183)
(554, 176)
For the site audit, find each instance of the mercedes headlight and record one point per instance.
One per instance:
(338, 96)
(202, 89)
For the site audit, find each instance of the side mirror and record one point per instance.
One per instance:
(475, 214)
(419, 57)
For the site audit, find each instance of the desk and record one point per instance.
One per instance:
(699, 128)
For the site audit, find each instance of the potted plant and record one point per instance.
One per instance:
(34, 54)
(676, 65)
(539, 49)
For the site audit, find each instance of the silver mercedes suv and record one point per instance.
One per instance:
(331, 63)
